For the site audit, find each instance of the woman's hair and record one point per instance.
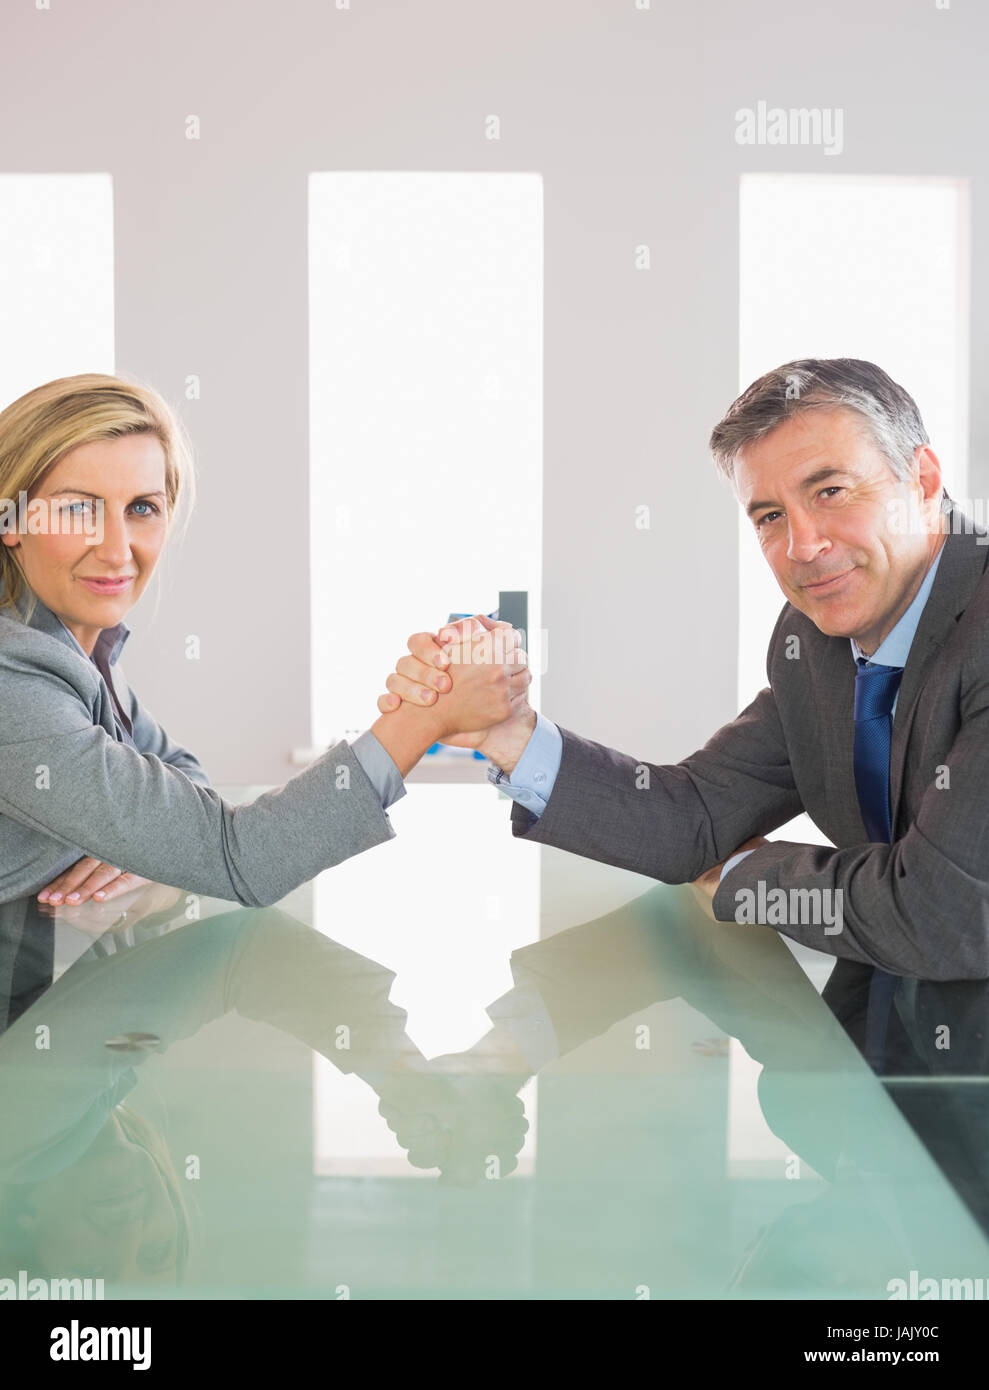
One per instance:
(140, 1132)
(39, 428)
(18, 1248)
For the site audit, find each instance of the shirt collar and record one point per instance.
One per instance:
(894, 649)
(109, 644)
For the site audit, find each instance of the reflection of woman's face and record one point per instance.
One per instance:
(107, 1217)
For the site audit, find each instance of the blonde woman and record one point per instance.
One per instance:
(95, 797)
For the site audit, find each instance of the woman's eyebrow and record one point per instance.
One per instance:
(96, 495)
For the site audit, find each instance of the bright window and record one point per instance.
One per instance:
(56, 278)
(851, 266)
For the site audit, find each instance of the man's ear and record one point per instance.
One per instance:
(929, 472)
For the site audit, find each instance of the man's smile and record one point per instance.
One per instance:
(830, 585)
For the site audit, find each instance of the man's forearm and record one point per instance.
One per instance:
(505, 743)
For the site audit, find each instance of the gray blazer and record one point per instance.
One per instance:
(918, 907)
(72, 782)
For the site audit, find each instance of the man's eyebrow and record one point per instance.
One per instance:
(96, 495)
(812, 479)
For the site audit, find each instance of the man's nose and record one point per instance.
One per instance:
(806, 538)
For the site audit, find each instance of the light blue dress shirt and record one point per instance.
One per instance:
(380, 767)
(536, 771)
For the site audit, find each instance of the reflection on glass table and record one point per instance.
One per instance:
(705, 1127)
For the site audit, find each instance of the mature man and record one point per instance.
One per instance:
(875, 720)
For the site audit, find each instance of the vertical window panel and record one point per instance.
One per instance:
(56, 278)
(425, 415)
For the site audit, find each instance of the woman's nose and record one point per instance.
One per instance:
(114, 546)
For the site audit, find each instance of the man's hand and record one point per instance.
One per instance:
(705, 887)
(89, 878)
(430, 676)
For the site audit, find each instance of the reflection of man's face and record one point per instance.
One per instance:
(109, 1216)
(819, 493)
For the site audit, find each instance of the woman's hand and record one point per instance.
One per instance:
(89, 878)
(96, 916)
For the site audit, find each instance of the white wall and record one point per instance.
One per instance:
(628, 114)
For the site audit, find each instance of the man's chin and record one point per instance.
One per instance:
(833, 629)
(836, 623)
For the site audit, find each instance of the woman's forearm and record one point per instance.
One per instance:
(406, 734)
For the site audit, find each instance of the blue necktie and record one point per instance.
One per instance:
(875, 692)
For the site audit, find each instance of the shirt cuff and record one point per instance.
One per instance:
(524, 1016)
(380, 767)
(730, 863)
(535, 773)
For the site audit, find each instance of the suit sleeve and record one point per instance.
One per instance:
(918, 907)
(64, 776)
(670, 822)
(150, 737)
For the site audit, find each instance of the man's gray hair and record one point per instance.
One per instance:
(823, 383)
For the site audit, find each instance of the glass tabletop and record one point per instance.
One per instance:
(206, 1101)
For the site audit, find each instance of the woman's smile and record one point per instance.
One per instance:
(107, 586)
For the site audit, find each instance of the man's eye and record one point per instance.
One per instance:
(763, 519)
(834, 488)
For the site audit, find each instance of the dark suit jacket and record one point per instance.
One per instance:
(918, 907)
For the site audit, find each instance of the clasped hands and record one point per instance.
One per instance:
(467, 684)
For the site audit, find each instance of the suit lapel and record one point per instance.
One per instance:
(963, 562)
(836, 730)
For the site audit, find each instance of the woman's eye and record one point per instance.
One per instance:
(77, 507)
(153, 508)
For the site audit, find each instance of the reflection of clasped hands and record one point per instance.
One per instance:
(452, 1117)
(466, 1112)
